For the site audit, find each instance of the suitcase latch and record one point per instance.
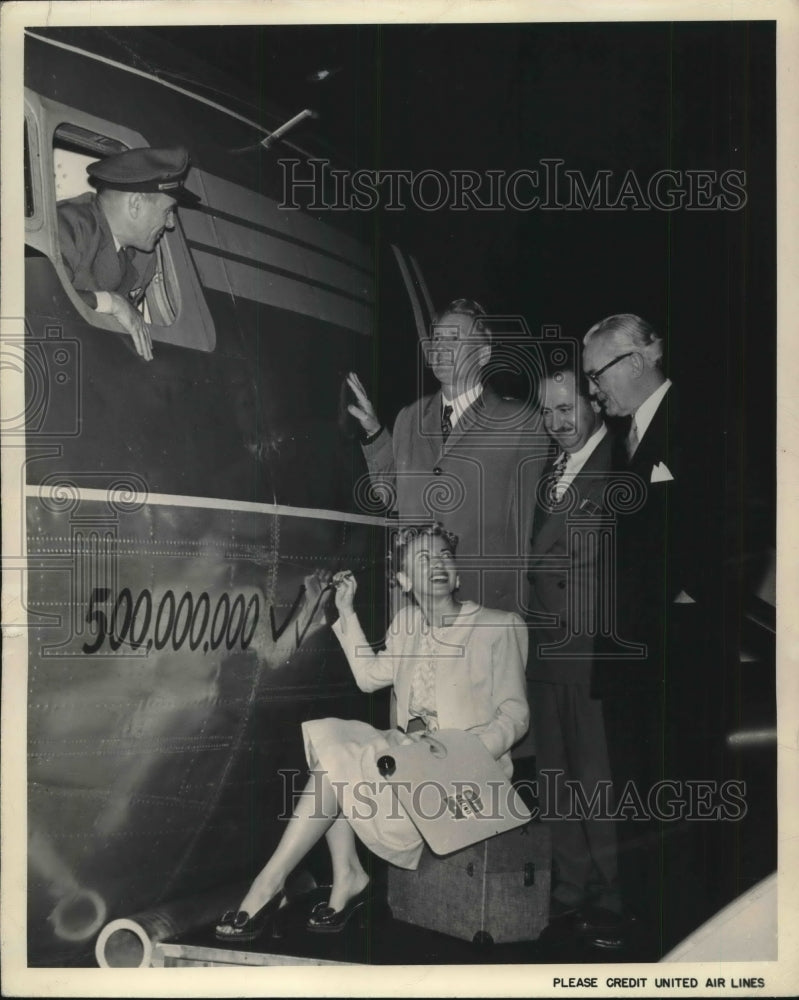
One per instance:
(470, 869)
(529, 873)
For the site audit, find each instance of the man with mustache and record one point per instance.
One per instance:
(568, 722)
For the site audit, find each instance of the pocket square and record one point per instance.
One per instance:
(660, 473)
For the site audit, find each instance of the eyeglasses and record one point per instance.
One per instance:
(594, 376)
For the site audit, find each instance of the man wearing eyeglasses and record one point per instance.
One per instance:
(663, 710)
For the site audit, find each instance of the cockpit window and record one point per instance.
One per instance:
(74, 148)
(60, 143)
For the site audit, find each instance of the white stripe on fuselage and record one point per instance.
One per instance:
(206, 503)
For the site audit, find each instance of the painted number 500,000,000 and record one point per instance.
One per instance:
(176, 621)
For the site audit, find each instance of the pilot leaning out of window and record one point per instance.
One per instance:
(107, 237)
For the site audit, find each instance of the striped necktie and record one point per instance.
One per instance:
(556, 475)
(446, 423)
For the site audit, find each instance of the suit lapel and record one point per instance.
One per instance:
(653, 447)
(474, 416)
(431, 425)
(553, 526)
(541, 517)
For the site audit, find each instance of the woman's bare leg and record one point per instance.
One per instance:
(314, 814)
(349, 876)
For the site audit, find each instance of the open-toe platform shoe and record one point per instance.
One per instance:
(325, 920)
(238, 925)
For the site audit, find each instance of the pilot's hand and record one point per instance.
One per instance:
(363, 411)
(345, 585)
(132, 322)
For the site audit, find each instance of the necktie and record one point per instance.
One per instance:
(128, 275)
(122, 259)
(631, 442)
(556, 476)
(446, 424)
(547, 497)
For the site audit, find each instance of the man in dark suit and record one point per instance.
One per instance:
(107, 238)
(459, 456)
(565, 578)
(664, 708)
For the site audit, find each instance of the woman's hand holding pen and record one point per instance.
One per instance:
(345, 587)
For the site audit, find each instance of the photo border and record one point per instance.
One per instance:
(781, 977)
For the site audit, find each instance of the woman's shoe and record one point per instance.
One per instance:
(325, 920)
(243, 927)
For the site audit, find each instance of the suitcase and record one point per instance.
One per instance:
(496, 891)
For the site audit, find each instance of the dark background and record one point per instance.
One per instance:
(624, 96)
(615, 96)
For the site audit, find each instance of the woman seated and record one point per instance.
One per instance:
(454, 665)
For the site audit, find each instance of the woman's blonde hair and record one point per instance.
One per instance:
(402, 538)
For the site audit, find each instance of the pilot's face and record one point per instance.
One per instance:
(456, 351)
(155, 213)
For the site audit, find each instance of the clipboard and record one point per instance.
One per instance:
(452, 789)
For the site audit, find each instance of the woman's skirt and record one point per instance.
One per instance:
(348, 751)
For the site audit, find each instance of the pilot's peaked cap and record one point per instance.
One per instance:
(146, 170)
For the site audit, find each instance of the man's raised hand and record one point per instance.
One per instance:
(362, 409)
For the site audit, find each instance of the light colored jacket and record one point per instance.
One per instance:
(479, 678)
